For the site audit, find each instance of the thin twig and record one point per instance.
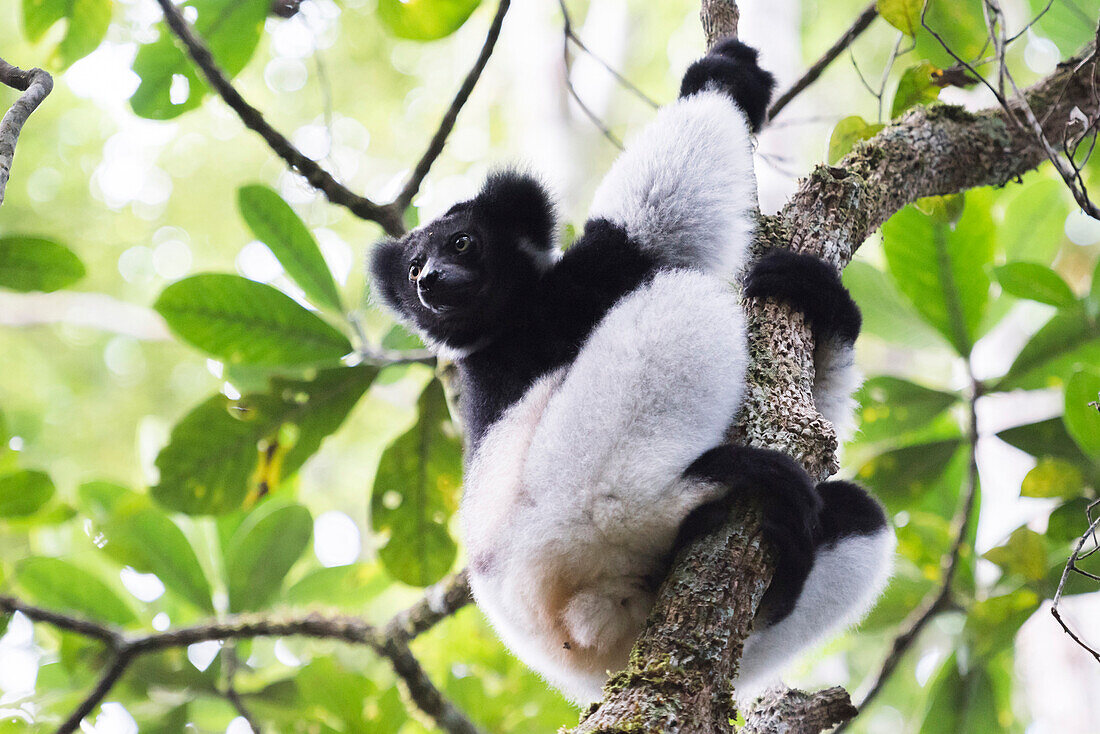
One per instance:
(1071, 565)
(941, 599)
(571, 35)
(439, 601)
(567, 33)
(35, 84)
(229, 655)
(861, 23)
(103, 686)
(67, 622)
(435, 147)
(388, 216)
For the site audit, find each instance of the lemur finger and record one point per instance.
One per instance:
(811, 286)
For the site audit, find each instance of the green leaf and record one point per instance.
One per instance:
(231, 30)
(960, 704)
(1067, 523)
(24, 492)
(1045, 438)
(960, 24)
(1094, 290)
(1069, 24)
(274, 223)
(1035, 282)
(1023, 554)
(61, 586)
(902, 14)
(349, 586)
(1035, 220)
(87, 23)
(890, 407)
(263, 549)
(916, 85)
(36, 264)
(416, 491)
(1066, 343)
(1082, 420)
(328, 690)
(892, 319)
(942, 269)
(992, 623)
(847, 133)
(147, 540)
(213, 457)
(240, 320)
(902, 476)
(98, 499)
(424, 20)
(1053, 478)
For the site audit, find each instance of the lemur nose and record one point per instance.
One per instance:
(427, 280)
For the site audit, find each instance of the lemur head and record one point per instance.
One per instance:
(457, 278)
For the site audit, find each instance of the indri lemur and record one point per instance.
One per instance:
(597, 386)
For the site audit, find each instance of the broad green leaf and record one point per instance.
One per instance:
(892, 319)
(36, 264)
(1045, 438)
(890, 407)
(916, 85)
(328, 690)
(98, 499)
(902, 14)
(274, 223)
(269, 541)
(942, 269)
(240, 320)
(1082, 420)
(61, 586)
(1066, 343)
(1023, 554)
(416, 491)
(86, 25)
(1068, 522)
(24, 493)
(900, 477)
(1069, 23)
(960, 24)
(1035, 282)
(424, 20)
(1053, 478)
(349, 586)
(992, 623)
(1035, 220)
(847, 133)
(223, 448)
(960, 704)
(231, 30)
(146, 539)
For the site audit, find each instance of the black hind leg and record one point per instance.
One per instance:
(847, 510)
(790, 508)
(731, 67)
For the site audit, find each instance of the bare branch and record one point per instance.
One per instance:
(567, 34)
(435, 147)
(1071, 565)
(439, 601)
(389, 217)
(797, 712)
(719, 19)
(571, 35)
(35, 84)
(67, 622)
(229, 655)
(103, 686)
(862, 22)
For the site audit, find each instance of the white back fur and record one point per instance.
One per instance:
(575, 496)
(685, 187)
(836, 379)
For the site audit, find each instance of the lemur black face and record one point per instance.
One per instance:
(458, 278)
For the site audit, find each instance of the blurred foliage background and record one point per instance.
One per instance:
(184, 436)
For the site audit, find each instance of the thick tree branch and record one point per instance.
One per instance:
(810, 76)
(797, 712)
(35, 85)
(435, 147)
(389, 217)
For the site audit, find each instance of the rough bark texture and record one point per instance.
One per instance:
(679, 675)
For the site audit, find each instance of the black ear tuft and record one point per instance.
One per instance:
(518, 203)
(387, 269)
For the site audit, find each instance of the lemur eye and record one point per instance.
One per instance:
(462, 242)
(414, 271)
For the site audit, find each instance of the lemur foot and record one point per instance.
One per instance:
(811, 286)
(790, 509)
(731, 67)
